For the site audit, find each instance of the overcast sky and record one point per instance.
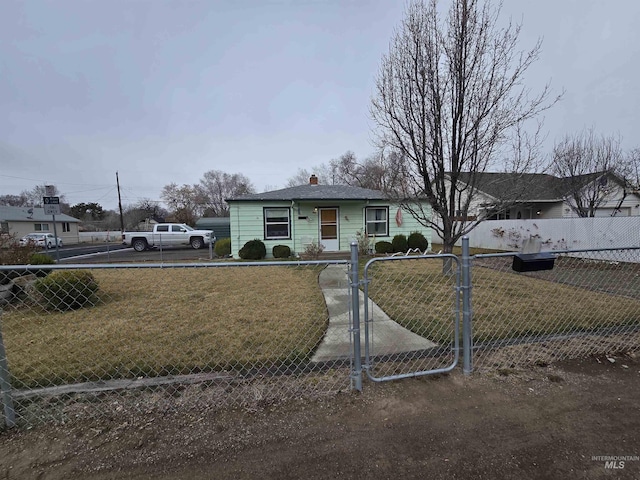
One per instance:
(162, 91)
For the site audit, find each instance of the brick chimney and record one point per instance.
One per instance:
(313, 180)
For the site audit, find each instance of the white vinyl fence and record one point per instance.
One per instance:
(557, 233)
(93, 237)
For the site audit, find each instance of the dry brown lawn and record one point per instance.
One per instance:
(505, 304)
(169, 321)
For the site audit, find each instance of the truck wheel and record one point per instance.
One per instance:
(139, 244)
(196, 243)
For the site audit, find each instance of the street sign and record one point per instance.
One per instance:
(51, 205)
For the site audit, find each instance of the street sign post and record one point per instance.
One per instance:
(51, 205)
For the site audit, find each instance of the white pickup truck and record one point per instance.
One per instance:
(168, 235)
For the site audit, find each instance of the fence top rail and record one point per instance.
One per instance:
(90, 266)
(556, 252)
(411, 257)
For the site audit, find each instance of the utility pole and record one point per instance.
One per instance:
(120, 205)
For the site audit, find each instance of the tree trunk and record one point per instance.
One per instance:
(447, 262)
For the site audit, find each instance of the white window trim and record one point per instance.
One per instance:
(385, 221)
(287, 223)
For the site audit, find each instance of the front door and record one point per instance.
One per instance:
(329, 229)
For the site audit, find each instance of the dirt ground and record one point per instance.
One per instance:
(543, 422)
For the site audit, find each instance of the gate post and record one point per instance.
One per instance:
(5, 385)
(467, 336)
(356, 372)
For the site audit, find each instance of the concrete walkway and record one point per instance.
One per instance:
(387, 337)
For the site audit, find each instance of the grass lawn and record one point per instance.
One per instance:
(505, 304)
(169, 321)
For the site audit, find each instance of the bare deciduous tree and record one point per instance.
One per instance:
(207, 198)
(587, 162)
(449, 98)
(30, 198)
(382, 171)
(14, 200)
(216, 186)
(140, 212)
(323, 171)
(378, 172)
(182, 202)
(633, 169)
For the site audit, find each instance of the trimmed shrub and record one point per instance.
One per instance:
(222, 247)
(417, 240)
(253, 250)
(384, 247)
(67, 290)
(281, 251)
(399, 244)
(41, 259)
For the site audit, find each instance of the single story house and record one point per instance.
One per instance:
(330, 215)
(20, 221)
(544, 196)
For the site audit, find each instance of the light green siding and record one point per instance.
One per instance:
(247, 223)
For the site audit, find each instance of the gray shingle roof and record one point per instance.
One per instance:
(313, 192)
(21, 214)
(537, 186)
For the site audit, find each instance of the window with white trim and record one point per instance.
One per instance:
(377, 221)
(66, 227)
(40, 227)
(277, 223)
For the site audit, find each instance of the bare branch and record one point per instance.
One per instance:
(586, 162)
(450, 99)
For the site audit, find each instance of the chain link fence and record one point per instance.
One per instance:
(99, 340)
(95, 340)
(589, 303)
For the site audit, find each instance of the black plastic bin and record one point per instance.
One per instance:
(533, 262)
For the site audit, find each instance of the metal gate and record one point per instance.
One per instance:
(411, 316)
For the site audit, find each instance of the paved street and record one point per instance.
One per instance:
(116, 253)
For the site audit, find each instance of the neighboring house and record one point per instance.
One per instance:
(536, 195)
(20, 221)
(332, 215)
